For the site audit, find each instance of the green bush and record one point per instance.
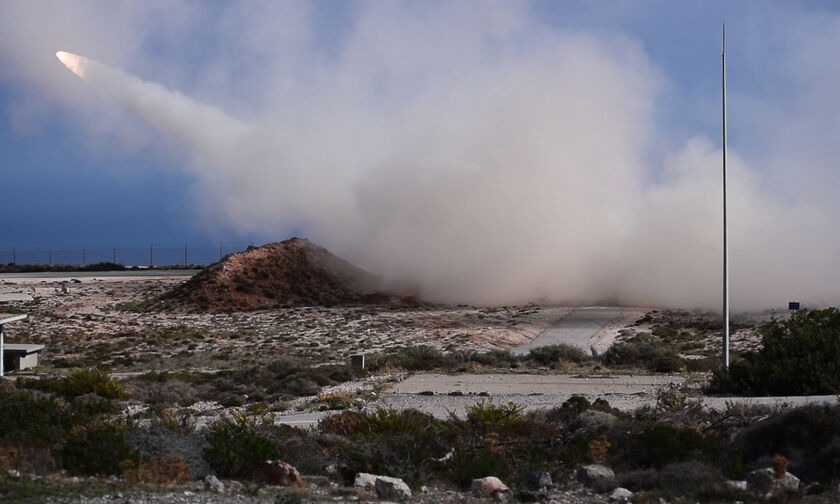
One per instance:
(97, 450)
(553, 355)
(236, 449)
(630, 354)
(800, 356)
(404, 443)
(418, 358)
(27, 416)
(808, 436)
(684, 481)
(668, 364)
(427, 358)
(503, 419)
(288, 377)
(659, 445)
(380, 421)
(466, 466)
(80, 382)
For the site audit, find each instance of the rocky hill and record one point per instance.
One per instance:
(294, 272)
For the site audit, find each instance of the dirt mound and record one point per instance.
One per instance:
(294, 272)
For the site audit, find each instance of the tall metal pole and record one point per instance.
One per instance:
(2, 353)
(725, 353)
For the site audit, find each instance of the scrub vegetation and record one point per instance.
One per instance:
(800, 356)
(675, 449)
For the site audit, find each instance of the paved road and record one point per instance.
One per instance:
(442, 395)
(577, 327)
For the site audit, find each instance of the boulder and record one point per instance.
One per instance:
(539, 479)
(621, 495)
(487, 486)
(365, 480)
(391, 488)
(593, 472)
(277, 472)
(213, 484)
(764, 482)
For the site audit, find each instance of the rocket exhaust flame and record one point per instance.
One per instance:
(74, 62)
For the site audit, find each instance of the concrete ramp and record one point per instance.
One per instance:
(579, 327)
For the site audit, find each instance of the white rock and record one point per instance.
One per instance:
(213, 484)
(737, 484)
(391, 488)
(488, 485)
(592, 472)
(764, 481)
(365, 480)
(621, 495)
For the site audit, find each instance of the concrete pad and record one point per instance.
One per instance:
(525, 384)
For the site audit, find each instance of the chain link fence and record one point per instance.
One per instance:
(154, 254)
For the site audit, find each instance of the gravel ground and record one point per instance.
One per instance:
(576, 494)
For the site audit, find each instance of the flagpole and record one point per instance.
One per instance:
(725, 353)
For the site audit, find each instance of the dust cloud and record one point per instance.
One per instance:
(484, 157)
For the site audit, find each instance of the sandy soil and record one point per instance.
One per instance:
(94, 323)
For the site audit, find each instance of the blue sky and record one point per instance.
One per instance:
(369, 120)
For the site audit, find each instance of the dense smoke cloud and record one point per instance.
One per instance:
(471, 155)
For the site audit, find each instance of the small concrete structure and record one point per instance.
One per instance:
(6, 318)
(20, 356)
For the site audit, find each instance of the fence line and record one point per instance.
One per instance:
(154, 254)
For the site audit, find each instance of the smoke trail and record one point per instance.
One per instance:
(168, 111)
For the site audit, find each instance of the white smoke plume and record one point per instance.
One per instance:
(483, 157)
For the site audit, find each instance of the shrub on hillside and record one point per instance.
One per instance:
(659, 445)
(684, 481)
(800, 356)
(80, 382)
(27, 416)
(630, 354)
(404, 444)
(97, 450)
(808, 436)
(418, 358)
(237, 449)
(553, 355)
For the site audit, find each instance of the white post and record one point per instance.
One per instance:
(2, 352)
(725, 353)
